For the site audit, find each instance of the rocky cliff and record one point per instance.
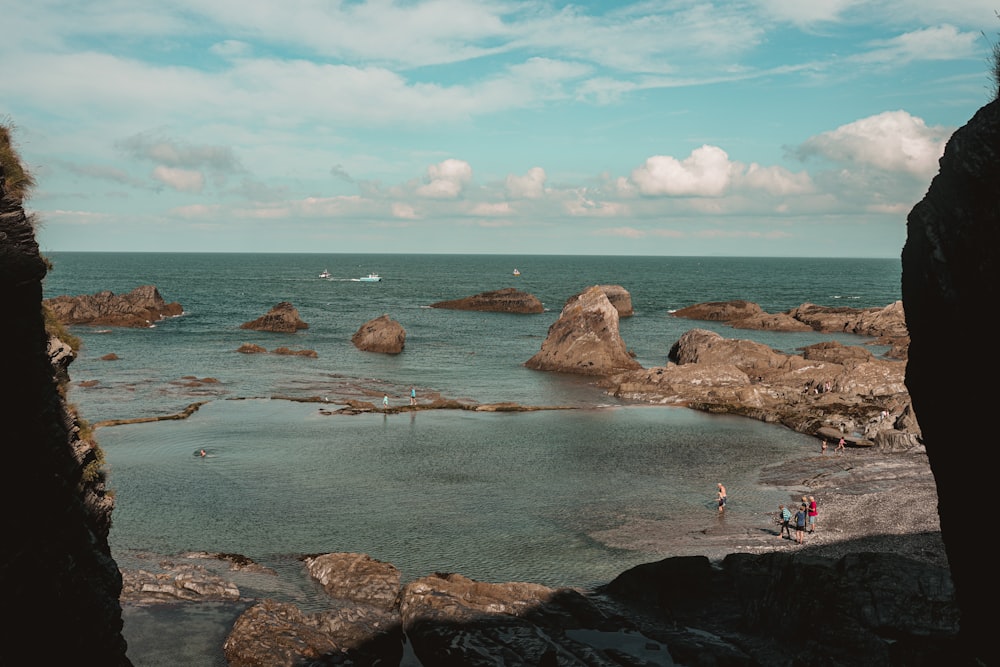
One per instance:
(59, 582)
(950, 273)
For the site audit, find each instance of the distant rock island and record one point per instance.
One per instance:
(506, 300)
(283, 318)
(142, 307)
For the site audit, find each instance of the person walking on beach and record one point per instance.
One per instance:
(722, 497)
(413, 396)
(840, 446)
(785, 518)
(813, 513)
(800, 524)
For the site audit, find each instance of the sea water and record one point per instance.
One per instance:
(567, 496)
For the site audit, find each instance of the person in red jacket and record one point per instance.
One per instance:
(813, 513)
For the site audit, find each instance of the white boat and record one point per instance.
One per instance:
(516, 272)
(325, 274)
(371, 278)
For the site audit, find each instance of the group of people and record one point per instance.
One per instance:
(804, 520)
(841, 446)
(413, 398)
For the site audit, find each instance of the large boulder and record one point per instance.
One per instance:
(142, 307)
(619, 298)
(279, 634)
(506, 300)
(585, 339)
(356, 577)
(383, 334)
(950, 274)
(283, 318)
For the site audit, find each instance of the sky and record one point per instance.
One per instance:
(775, 128)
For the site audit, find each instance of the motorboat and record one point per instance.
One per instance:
(516, 272)
(371, 278)
(325, 274)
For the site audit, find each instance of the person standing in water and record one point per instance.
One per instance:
(385, 402)
(722, 497)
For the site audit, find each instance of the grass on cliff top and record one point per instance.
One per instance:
(18, 180)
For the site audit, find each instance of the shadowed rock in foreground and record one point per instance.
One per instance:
(858, 610)
(950, 274)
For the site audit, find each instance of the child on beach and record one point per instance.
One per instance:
(784, 519)
(800, 523)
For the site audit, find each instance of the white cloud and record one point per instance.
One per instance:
(893, 141)
(404, 211)
(231, 48)
(332, 206)
(529, 186)
(182, 180)
(774, 180)
(177, 154)
(487, 209)
(446, 179)
(944, 42)
(196, 211)
(585, 206)
(707, 172)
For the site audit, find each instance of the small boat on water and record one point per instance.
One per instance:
(325, 274)
(516, 272)
(371, 278)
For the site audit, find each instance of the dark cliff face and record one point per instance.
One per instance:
(951, 277)
(60, 585)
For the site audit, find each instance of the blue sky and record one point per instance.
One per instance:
(663, 127)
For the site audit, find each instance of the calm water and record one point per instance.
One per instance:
(565, 497)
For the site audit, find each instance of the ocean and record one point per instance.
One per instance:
(558, 497)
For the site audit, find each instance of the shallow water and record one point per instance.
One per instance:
(558, 497)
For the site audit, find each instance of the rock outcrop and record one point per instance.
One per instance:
(506, 300)
(585, 339)
(142, 307)
(830, 386)
(60, 584)
(382, 334)
(283, 318)
(950, 273)
(887, 325)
